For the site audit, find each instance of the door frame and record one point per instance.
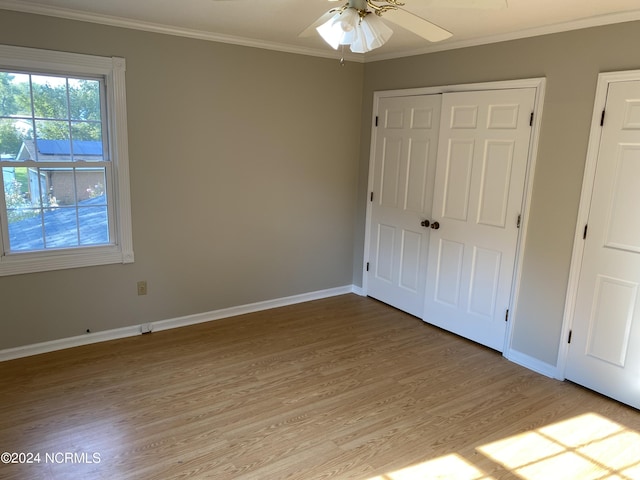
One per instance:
(539, 84)
(593, 150)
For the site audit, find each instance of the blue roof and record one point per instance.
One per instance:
(63, 147)
(61, 226)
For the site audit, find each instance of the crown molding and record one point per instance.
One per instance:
(47, 10)
(121, 22)
(598, 21)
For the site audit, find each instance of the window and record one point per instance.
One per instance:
(63, 161)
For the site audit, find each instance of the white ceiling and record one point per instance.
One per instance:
(276, 24)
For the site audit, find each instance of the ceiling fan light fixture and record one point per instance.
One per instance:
(348, 19)
(340, 29)
(374, 34)
(357, 28)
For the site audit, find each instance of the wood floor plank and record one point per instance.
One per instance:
(339, 388)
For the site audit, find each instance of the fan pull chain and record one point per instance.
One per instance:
(342, 57)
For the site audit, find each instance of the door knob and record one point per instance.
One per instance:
(425, 223)
(435, 225)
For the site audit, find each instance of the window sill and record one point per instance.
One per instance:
(21, 263)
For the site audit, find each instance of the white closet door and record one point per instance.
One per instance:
(483, 151)
(404, 165)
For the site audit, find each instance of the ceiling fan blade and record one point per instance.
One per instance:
(311, 29)
(478, 4)
(418, 25)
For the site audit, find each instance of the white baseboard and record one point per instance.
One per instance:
(357, 290)
(534, 364)
(44, 347)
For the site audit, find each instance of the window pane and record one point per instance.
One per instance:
(87, 141)
(22, 197)
(15, 95)
(16, 190)
(62, 186)
(12, 134)
(84, 99)
(52, 130)
(26, 234)
(61, 227)
(91, 186)
(23, 188)
(86, 131)
(94, 224)
(49, 97)
(92, 206)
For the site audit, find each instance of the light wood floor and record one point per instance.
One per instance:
(341, 388)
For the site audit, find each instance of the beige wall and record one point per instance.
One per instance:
(249, 173)
(243, 182)
(571, 62)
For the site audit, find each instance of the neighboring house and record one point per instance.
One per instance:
(59, 182)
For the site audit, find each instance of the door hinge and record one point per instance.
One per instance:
(506, 316)
(584, 233)
(602, 119)
(531, 120)
(376, 120)
(367, 266)
(371, 197)
(519, 220)
(570, 333)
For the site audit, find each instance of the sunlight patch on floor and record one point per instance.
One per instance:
(586, 447)
(449, 467)
(589, 446)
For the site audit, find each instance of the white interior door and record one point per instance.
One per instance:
(483, 150)
(604, 349)
(403, 170)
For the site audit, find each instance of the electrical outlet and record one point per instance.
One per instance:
(142, 287)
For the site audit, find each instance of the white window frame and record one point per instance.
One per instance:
(112, 70)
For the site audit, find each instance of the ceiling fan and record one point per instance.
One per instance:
(358, 23)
